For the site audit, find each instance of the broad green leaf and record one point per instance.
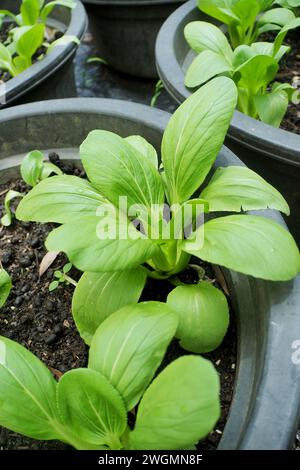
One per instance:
(272, 107)
(144, 148)
(257, 72)
(27, 393)
(242, 54)
(268, 27)
(7, 216)
(266, 48)
(246, 11)
(203, 36)
(91, 407)
(194, 136)
(31, 167)
(237, 188)
(203, 316)
(30, 41)
(288, 3)
(116, 168)
(204, 67)
(278, 87)
(251, 245)
(180, 407)
(50, 5)
(219, 9)
(129, 346)
(283, 32)
(5, 286)
(30, 10)
(280, 16)
(90, 248)
(60, 199)
(97, 295)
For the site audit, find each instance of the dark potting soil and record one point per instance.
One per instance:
(42, 322)
(289, 72)
(4, 34)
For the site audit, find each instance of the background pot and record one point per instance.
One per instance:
(265, 408)
(52, 77)
(273, 153)
(125, 32)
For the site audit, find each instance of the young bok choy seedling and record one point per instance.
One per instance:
(132, 219)
(88, 408)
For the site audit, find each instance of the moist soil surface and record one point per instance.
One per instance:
(42, 322)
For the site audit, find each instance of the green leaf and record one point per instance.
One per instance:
(31, 167)
(53, 285)
(236, 188)
(91, 407)
(129, 346)
(144, 148)
(48, 169)
(6, 60)
(219, 9)
(279, 16)
(246, 11)
(272, 107)
(251, 245)
(180, 407)
(257, 72)
(97, 295)
(59, 199)
(50, 5)
(27, 393)
(203, 316)
(266, 48)
(30, 41)
(89, 249)
(30, 10)
(283, 32)
(7, 217)
(63, 41)
(5, 286)
(203, 36)
(116, 168)
(194, 136)
(204, 67)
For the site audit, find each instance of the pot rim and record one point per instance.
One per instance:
(265, 407)
(18, 86)
(276, 143)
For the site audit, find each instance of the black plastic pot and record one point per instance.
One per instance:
(53, 76)
(265, 408)
(125, 32)
(273, 153)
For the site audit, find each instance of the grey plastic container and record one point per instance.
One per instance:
(273, 153)
(125, 32)
(53, 76)
(265, 409)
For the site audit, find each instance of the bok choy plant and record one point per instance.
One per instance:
(253, 68)
(36, 11)
(29, 35)
(246, 20)
(88, 408)
(118, 228)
